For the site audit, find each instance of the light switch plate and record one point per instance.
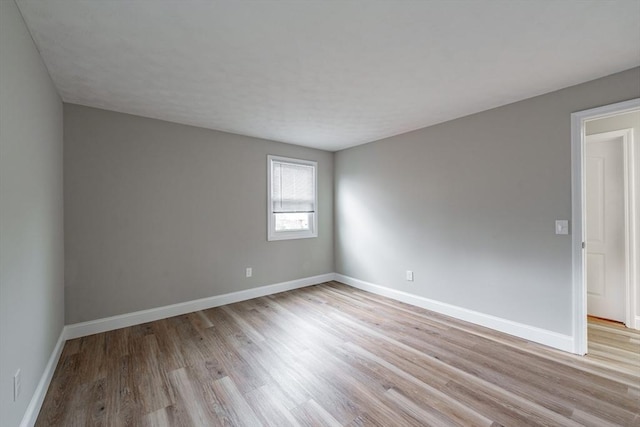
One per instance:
(562, 226)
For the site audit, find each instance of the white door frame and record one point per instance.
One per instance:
(627, 210)
(578, 211)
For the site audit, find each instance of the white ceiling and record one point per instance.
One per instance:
(325, 74)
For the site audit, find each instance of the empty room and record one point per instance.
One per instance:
(319, 213)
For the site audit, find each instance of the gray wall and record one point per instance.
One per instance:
(626, 121)
(158, 213)
(31, 243)
(469, 205)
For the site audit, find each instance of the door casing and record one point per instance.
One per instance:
(625, 136)
(578, 210)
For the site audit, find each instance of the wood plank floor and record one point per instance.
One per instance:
(330, 355)
(614, 345)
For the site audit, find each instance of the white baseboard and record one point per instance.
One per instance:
(33, 409)
(78, 330)
(531, 333)
(636, 323)
(542, 336)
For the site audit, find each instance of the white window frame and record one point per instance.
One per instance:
(272, 234)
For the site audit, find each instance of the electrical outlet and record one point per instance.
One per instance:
(249, 272)
(17, 383)
(409, 275)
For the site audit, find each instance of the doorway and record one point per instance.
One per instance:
(605, 172)
(607, 215)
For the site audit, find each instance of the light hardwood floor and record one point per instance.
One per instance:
(613, 345)
(330, 355)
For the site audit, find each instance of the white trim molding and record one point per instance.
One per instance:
(531, 333)
(578, 136)
(91, 327)
(33, 409)
(77, 330)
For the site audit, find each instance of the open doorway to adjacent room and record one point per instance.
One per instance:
(606, 169)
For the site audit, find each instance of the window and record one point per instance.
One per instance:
(292, 198)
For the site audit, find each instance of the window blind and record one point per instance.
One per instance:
(292, 188)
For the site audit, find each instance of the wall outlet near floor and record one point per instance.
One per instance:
(249, 272)
(17, 384)
(409, 275)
